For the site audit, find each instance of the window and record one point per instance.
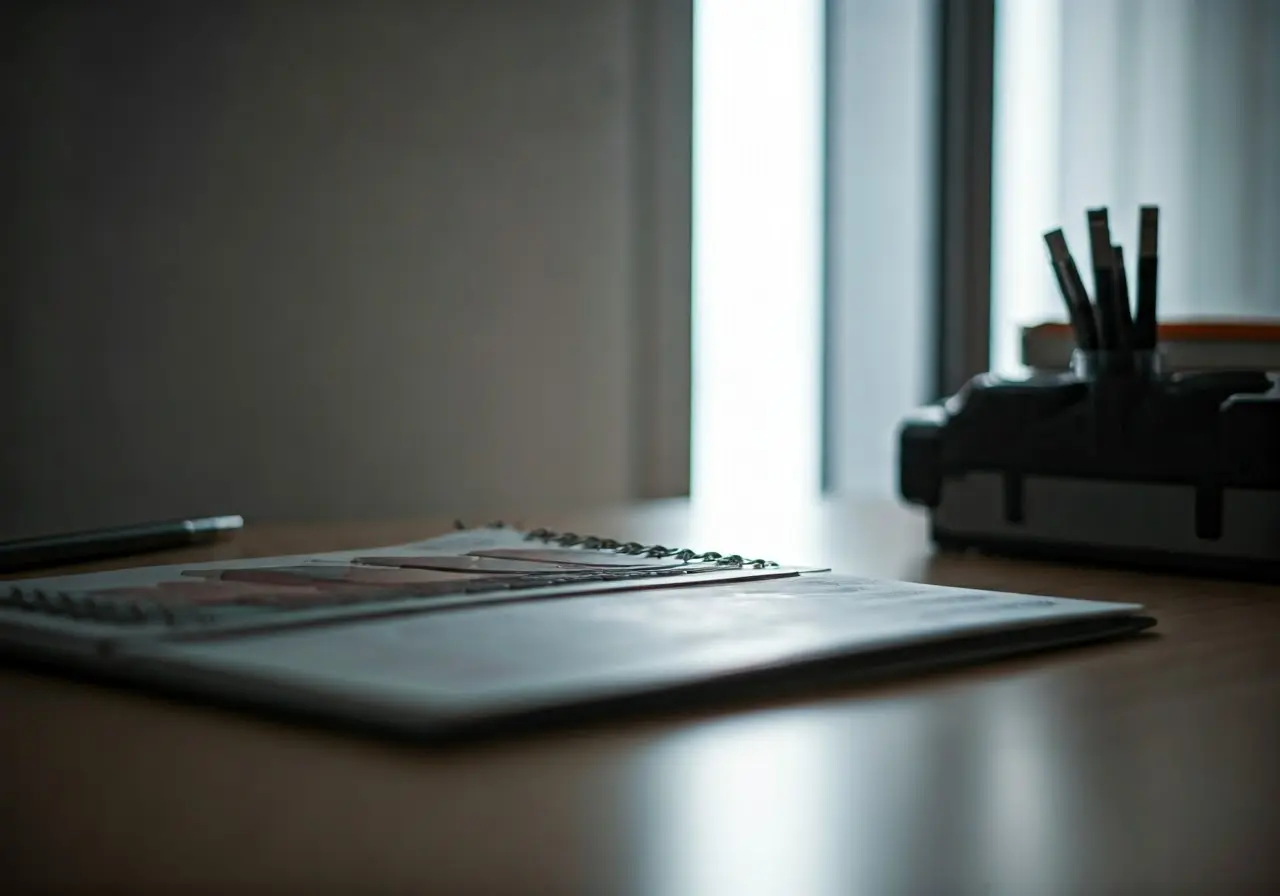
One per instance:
(1129, 102)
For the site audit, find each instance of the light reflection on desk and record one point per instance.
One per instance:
(766, 804)
(791, 800)
(1018, 791)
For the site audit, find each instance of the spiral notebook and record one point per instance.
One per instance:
(484, 629)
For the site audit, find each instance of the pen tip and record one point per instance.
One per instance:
(1149, 231)
(1057, 243)
(1100, 242)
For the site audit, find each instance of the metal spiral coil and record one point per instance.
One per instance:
(635, 548)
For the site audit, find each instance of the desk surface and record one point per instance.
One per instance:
(1151, 764)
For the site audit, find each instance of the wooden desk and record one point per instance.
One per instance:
(1146, 766)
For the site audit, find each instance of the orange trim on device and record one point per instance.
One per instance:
(1192, 331)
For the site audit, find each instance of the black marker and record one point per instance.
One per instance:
(1073, 291)
(1124, 317)
(1148, 265)
(1100, 249)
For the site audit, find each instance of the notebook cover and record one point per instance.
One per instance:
(439, 671)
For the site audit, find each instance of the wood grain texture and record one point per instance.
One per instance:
(1143, 766)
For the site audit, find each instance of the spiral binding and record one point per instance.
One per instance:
(634, 548)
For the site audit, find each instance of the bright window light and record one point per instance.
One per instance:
(1027, 176)
(757, 248)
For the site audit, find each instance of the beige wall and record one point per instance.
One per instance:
(318, 260)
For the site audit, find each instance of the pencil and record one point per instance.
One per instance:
(1100, 250)
(1148, 266)
(1073, 291)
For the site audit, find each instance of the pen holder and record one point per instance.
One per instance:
(1120, 384)
(1099, 364)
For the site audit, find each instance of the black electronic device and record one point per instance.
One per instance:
(1113, 460)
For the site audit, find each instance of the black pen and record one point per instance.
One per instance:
(98, 544)
(1100, 250)
(1148, 265)
(1124, 317)
(1073, 291)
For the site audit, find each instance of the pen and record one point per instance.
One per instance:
(1100, 250)
(1073, 291)
(1148, 264)
(97, 544)
(1124, 317)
